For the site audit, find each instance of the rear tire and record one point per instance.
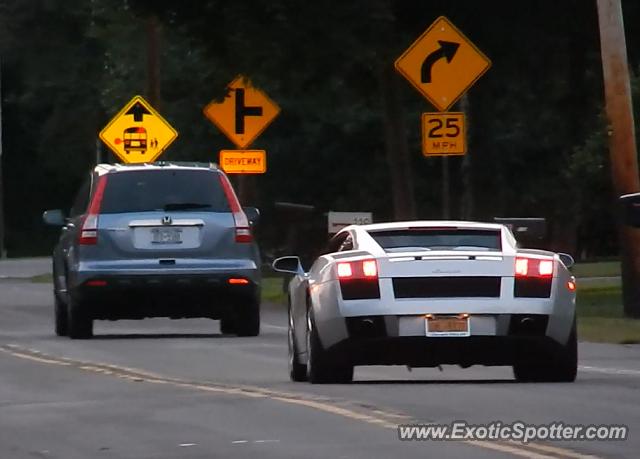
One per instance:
(227, 326)
(248, 319)
(80, 323)
(60, 314)
(560, 367)
(320, 369)
(297, 370)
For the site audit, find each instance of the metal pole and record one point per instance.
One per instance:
(446, 189)
(467, 205)
(153, 62)
(622, 142)
(2, 229)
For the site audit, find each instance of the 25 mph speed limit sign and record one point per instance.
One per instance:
(443, 134)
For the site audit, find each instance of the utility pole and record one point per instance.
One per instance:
(622, 141)
(467, 204)
(2, 249)
(153, 61)
(446, 190)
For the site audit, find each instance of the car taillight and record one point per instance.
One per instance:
(363, 269)
(344, 270)
(243, 230)
(533, 277)
(89, 228)
(238, 281)
(370, 268)
(533, 267)
(358, 279)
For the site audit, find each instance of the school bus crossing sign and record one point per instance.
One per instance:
(138, 134)
(244, 113)
(442, 64)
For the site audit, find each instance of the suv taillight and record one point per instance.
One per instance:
(358, 279)
(89, 229)
(243, 230)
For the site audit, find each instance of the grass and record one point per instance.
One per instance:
(597, 269)
(272, 290)
(42, 278)
(601, 317)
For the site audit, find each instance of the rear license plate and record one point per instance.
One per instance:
(444, 326)
(166, 236)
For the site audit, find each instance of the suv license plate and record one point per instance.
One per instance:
(444, 326)
(166, 236)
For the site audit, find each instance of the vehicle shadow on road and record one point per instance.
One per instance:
(160, 336)
(434, 381)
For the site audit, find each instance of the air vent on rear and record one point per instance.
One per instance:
(444, 287)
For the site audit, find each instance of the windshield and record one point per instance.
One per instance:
(437, 239)
(164, 190)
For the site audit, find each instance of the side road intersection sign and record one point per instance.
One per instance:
(244, 113)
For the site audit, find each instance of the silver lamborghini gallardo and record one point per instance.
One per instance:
(428, 293)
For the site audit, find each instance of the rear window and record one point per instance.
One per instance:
(164, 190)
(437, 239)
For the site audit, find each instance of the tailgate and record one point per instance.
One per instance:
(167, 234)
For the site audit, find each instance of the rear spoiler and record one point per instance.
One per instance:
(630, 209)
(525, 230)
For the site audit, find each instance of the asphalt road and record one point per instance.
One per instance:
(178, 389)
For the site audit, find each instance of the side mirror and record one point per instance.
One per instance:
(566, 259)
(53, 217)
(289, 265)
(253, 215)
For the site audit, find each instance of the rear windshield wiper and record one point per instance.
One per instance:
(185, 206)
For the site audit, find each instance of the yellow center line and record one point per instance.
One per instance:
(369, 415)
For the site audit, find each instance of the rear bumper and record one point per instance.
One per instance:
(125, 296)
(430, 352)
(397, 340)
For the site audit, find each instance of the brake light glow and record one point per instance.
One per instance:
(533, 267)
(370, 268)
(571, 286)
(243, 230)
(344, 270)
(89, 229)
(545, 268)
(522, 266)
(362, 269)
